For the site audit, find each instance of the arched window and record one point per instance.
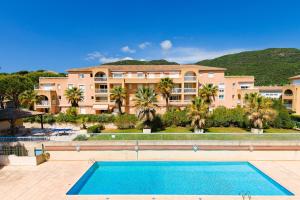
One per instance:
(288, 92)
(190, 76)
(100, 76)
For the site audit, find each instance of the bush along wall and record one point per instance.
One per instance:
(62, 117)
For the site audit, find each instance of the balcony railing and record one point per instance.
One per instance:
(100, 79)
(176, 90)
(43, 103)
(288, 106)
(175, 101)
(190, 90)
(190, 78)
(101, 90)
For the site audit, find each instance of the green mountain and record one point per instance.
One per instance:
(270, 66)
(138, 62)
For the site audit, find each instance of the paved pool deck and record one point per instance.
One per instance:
(51, 180)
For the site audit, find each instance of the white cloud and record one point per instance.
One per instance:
(166, 44)
(126, 49)
(144, 45)
(192, 54)
(104, 59)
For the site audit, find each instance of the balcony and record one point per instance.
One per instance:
(190, 78)
(190, 90)
(43, 104)
(100, 79)
(288, 106)
(101, 90)
(175, 101)
(176, 90)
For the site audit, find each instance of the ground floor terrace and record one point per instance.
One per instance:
(70, 160)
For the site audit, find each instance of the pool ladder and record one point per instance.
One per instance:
(246, 195)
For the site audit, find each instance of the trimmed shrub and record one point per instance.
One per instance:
(81, 138)
(125, 121)
(175, 117)
(157, 123)
(72, 111)
(102, 118)
(295, 118)
(66, 118)
(283, 120)
(95, 128)
(225, 117)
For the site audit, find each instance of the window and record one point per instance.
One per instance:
(140, 75)
(221, 96)
(81, 75)
(117, 75)
(221, 90)
(59, 97)
(175, 98)
(92, 97)
(70, 86)
(82, 88)
(101, 99)
(211, 74)
(91, 75)
(58, 86)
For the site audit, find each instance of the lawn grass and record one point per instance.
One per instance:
(280, 130)
(166, 136)
(209, 130)
(226, 130)
(176, 130)
(131, 130)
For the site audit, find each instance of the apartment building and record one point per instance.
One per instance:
(96, 83)
(291, 94)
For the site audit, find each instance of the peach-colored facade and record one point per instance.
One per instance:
(291, 94)
(96, 82)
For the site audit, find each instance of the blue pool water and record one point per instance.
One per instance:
(176, 178)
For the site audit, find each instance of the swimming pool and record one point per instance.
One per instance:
(176, 178)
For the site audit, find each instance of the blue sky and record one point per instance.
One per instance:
(60, 34)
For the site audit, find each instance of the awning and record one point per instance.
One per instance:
(100, 107)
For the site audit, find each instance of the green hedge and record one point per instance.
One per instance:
(95, 128)
(125, 121)
(62, 117)
(176, 117)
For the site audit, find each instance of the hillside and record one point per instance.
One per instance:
(35, 75)
(138, 62)
(270, 66)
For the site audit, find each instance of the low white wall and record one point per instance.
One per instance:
(17, 160)
(176, 155)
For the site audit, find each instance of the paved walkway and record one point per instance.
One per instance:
(53, 179)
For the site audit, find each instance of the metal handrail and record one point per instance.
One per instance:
(24, 139)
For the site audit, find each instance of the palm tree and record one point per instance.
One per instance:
(198, 113)
(259, 110)
(145, 102)
(28, 98)
(74, 96)
(118, 94)
(208, 92)
(165, 87)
